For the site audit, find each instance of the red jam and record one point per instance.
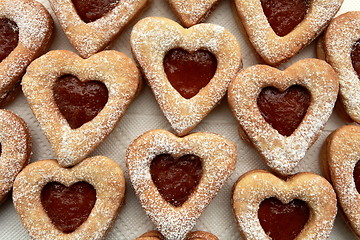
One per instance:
(355, 57)
(284, 110)
(189, 72)
(79, 102)
(68, 207)
(91, 10)
(283, 221)
(176, 178)
(356, 175)
(9, 37)
(284, 15)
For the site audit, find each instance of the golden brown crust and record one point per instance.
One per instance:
(280, 152)
(102, 173)
(342, 154)
(194, 11)
(340, 36)
(197, 235)
(114, 69)
(153, 37)
(255, 186)
(15, 149)
(276, 50)
(218, 157)
(35, 31)
(90, 38)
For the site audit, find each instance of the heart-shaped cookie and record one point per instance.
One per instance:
(15, 149)
(256, 189)
(92, 25)
(152, 39)
(197, 235)
(341, 164)
(192, 12)
(50, 199)
(256, 17)
(26, 30)
(111, 69)
(339, 48)
(282, 149)
(218, 157)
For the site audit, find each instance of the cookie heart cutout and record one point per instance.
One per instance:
(99, 173)
(197, 235)
(275, 49)
(192, 12)
(113, 69)
(15, 149)
(258, 187)
(340, 159)
(218, 156)
(153, 38)
(341, 50)
(106, 21)
(282, 153)
(25, 32)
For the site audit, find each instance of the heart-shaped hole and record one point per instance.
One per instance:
(68, 207)
(79, 102)
(9, 37)
(188, 72)
(355, 57)
(91, 10)
(284, 15)
(176, 179)
(284, 110)
(356, 175)
(283, 221)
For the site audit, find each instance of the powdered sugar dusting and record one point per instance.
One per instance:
(218, 157)
(283, 153)
(152, 38)
(274, 49)
(114, 69)
(254, 187)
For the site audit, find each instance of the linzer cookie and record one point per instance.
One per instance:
(78, 102)
(283, 112)
(15, 149)
(341, 48)
(91, 25)
(176, 178)
(192, 12)
(69, 203)
(198, 235)
(280, 29)
(300, 207)
(341, 164)
(188, 70)
(25, 32)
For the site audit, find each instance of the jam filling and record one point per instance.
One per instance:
(355, 57)
(283, 221)
(176, 179)
(284, 111)
(356, 175)
(79, 102)
(68, 207)
(188, 72)
(9, 37)
(91, 10)
(284, 15)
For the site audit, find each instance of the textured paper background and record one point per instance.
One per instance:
(144, 114)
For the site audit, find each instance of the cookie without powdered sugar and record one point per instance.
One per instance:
(154, 39)
(197, 235)
(94, 31)
(71, 140)
(157, 153)
(26, 31)
(260, 94)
